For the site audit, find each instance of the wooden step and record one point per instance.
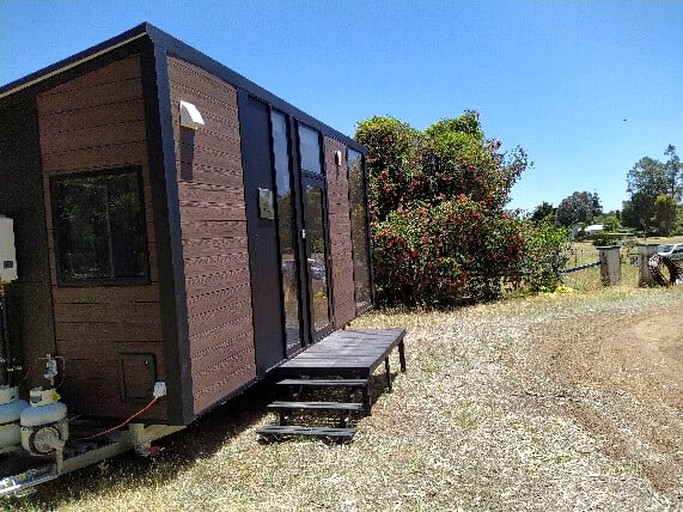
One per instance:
(349, 383)
(337, 434)
(324, 383)
(318, 406)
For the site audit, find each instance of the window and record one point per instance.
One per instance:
(99, 228)
(309, 147)
(359, 230)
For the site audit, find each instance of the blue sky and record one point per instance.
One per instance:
(587, 87)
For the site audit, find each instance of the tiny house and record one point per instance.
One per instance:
(178, 230)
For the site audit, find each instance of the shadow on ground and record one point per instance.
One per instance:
(175, 453)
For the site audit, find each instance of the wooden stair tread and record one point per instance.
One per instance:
(294, 430)
(322, 406)
(350, 383)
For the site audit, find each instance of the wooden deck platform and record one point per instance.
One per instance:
(347, 354)
(343, 360)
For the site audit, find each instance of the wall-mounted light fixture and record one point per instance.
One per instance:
(338, 161)
(190, 120)
(190, 117)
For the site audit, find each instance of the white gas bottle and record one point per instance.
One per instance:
(10, 411)
(44, 426)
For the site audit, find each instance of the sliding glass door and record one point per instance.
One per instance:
(302, 237)
(314, 231)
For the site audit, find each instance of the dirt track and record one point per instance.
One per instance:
(632, 369)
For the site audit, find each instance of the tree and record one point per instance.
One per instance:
(440, 231)
(665, 210)
(648, 176)
(542, 212)
(580, 207)
(611, 221)
(597, 205)
(394, 153)
(673, 171)
(678, 227)
(637, 212)
(648, 182)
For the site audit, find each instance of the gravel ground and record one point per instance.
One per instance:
(560, 402)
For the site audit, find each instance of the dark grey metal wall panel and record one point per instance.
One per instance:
(22, 198)
(263, 249)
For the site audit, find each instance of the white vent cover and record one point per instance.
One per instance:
(190, 117)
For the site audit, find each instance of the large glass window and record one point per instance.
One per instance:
(286, 228)
(309, 147)
(359, 229)
(99, 227)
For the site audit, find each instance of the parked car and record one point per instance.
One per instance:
(671, 251)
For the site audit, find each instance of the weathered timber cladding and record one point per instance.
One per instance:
(340, 233)
(96, 122)
(214, 233)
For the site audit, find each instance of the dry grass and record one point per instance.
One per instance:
(589, 280)
(479, 422)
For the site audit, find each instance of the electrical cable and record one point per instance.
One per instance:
(123, 423)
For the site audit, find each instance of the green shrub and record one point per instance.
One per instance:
(546, 251)
(440, 232)
(446, 253)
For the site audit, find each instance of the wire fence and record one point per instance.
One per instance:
(580, 267)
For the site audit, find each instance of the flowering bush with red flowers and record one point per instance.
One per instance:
(440, 232)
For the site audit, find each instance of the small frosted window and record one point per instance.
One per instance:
(309, 147)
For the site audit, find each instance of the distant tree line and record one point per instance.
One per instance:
(580, 208)
(654, 206)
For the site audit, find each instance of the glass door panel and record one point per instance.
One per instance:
(315, 252)
(287, 230)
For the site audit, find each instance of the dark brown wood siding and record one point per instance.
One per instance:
(214, 233)
(96, 122)
(340, 233)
